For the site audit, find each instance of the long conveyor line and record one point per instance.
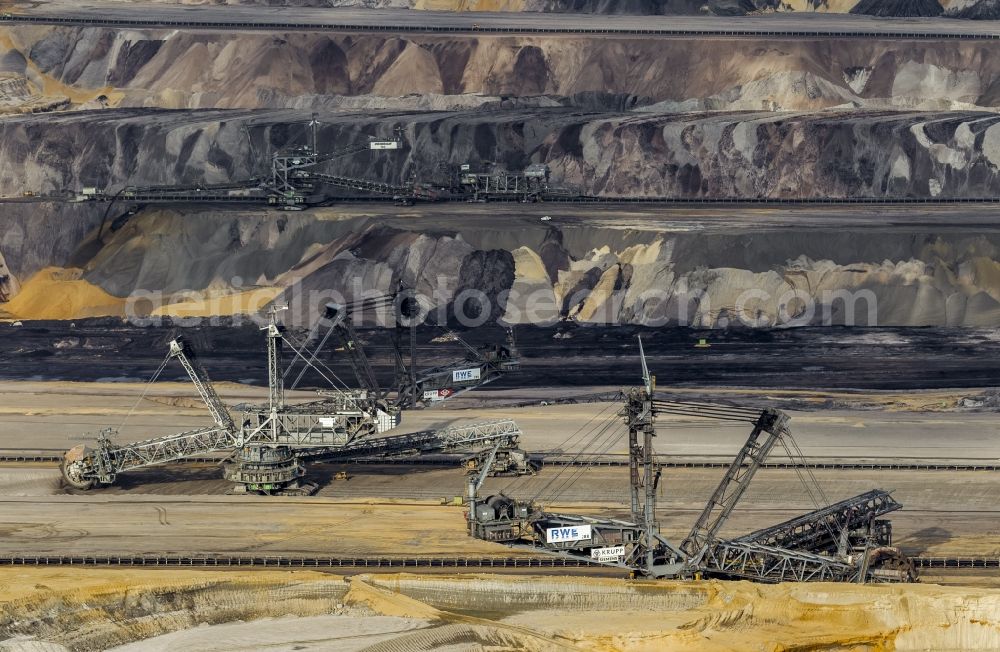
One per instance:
(211, 198)
(606, 29)
(11, 458)
(277, 561)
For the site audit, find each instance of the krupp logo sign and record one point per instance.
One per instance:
(613, 553)
(569, 533)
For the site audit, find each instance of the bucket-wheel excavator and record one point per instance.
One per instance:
(264, 439)
(417, 388)
(846, 541)
(270, 441)
(292, 180)
(296, 177)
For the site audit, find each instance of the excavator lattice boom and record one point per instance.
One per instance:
(843, 542)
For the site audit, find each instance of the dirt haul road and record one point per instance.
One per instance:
(54, 416)
(396, 20)
(396, 510)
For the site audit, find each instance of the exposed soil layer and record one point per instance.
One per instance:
(615, 266)
(446, 612)
(886, 8)
(95, 67)
(975, 9)
(613, 154)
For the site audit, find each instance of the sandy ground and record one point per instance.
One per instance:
(340, 632)
(180, 508)
(381, 512)
(57, 416)
(53, 293)
(399, 511)
(151, 524)
(472, 612)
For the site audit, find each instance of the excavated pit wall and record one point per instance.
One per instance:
(139, 606)
(98, 609)
(491, 594)
(38, 235)
(737, 615)
(574, 267)
(153, 68)
(614, 154)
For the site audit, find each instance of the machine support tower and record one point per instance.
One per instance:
(415, 395)
(275, 382)
(634, 461)
(649, 482)
(639, 417)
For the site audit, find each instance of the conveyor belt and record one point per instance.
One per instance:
(478, 24)
(277, 561)
(14, 458)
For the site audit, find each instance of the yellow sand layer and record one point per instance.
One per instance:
(616, 615)
(56, 293)
(529, 612)
(210, 304)
(19, 585)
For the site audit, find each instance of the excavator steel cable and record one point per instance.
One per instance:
(707, 410)
(458, 339)
(665, 398)
(703, 412)
(838, 536)
(344, 387)
(305, 342)
(803, 464)
(733, 413)
(578, 431)
(706, 404)
(564, 443)
(590, 426)
(145, 389)
(313, 357)
(612, 438)
(318, 370)
(706, 415)
(795, 454)
(559, 484)
(601, 428)
(379, 301)
(603, 440)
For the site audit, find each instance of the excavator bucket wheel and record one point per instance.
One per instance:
(72, 478)
(893, 560)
